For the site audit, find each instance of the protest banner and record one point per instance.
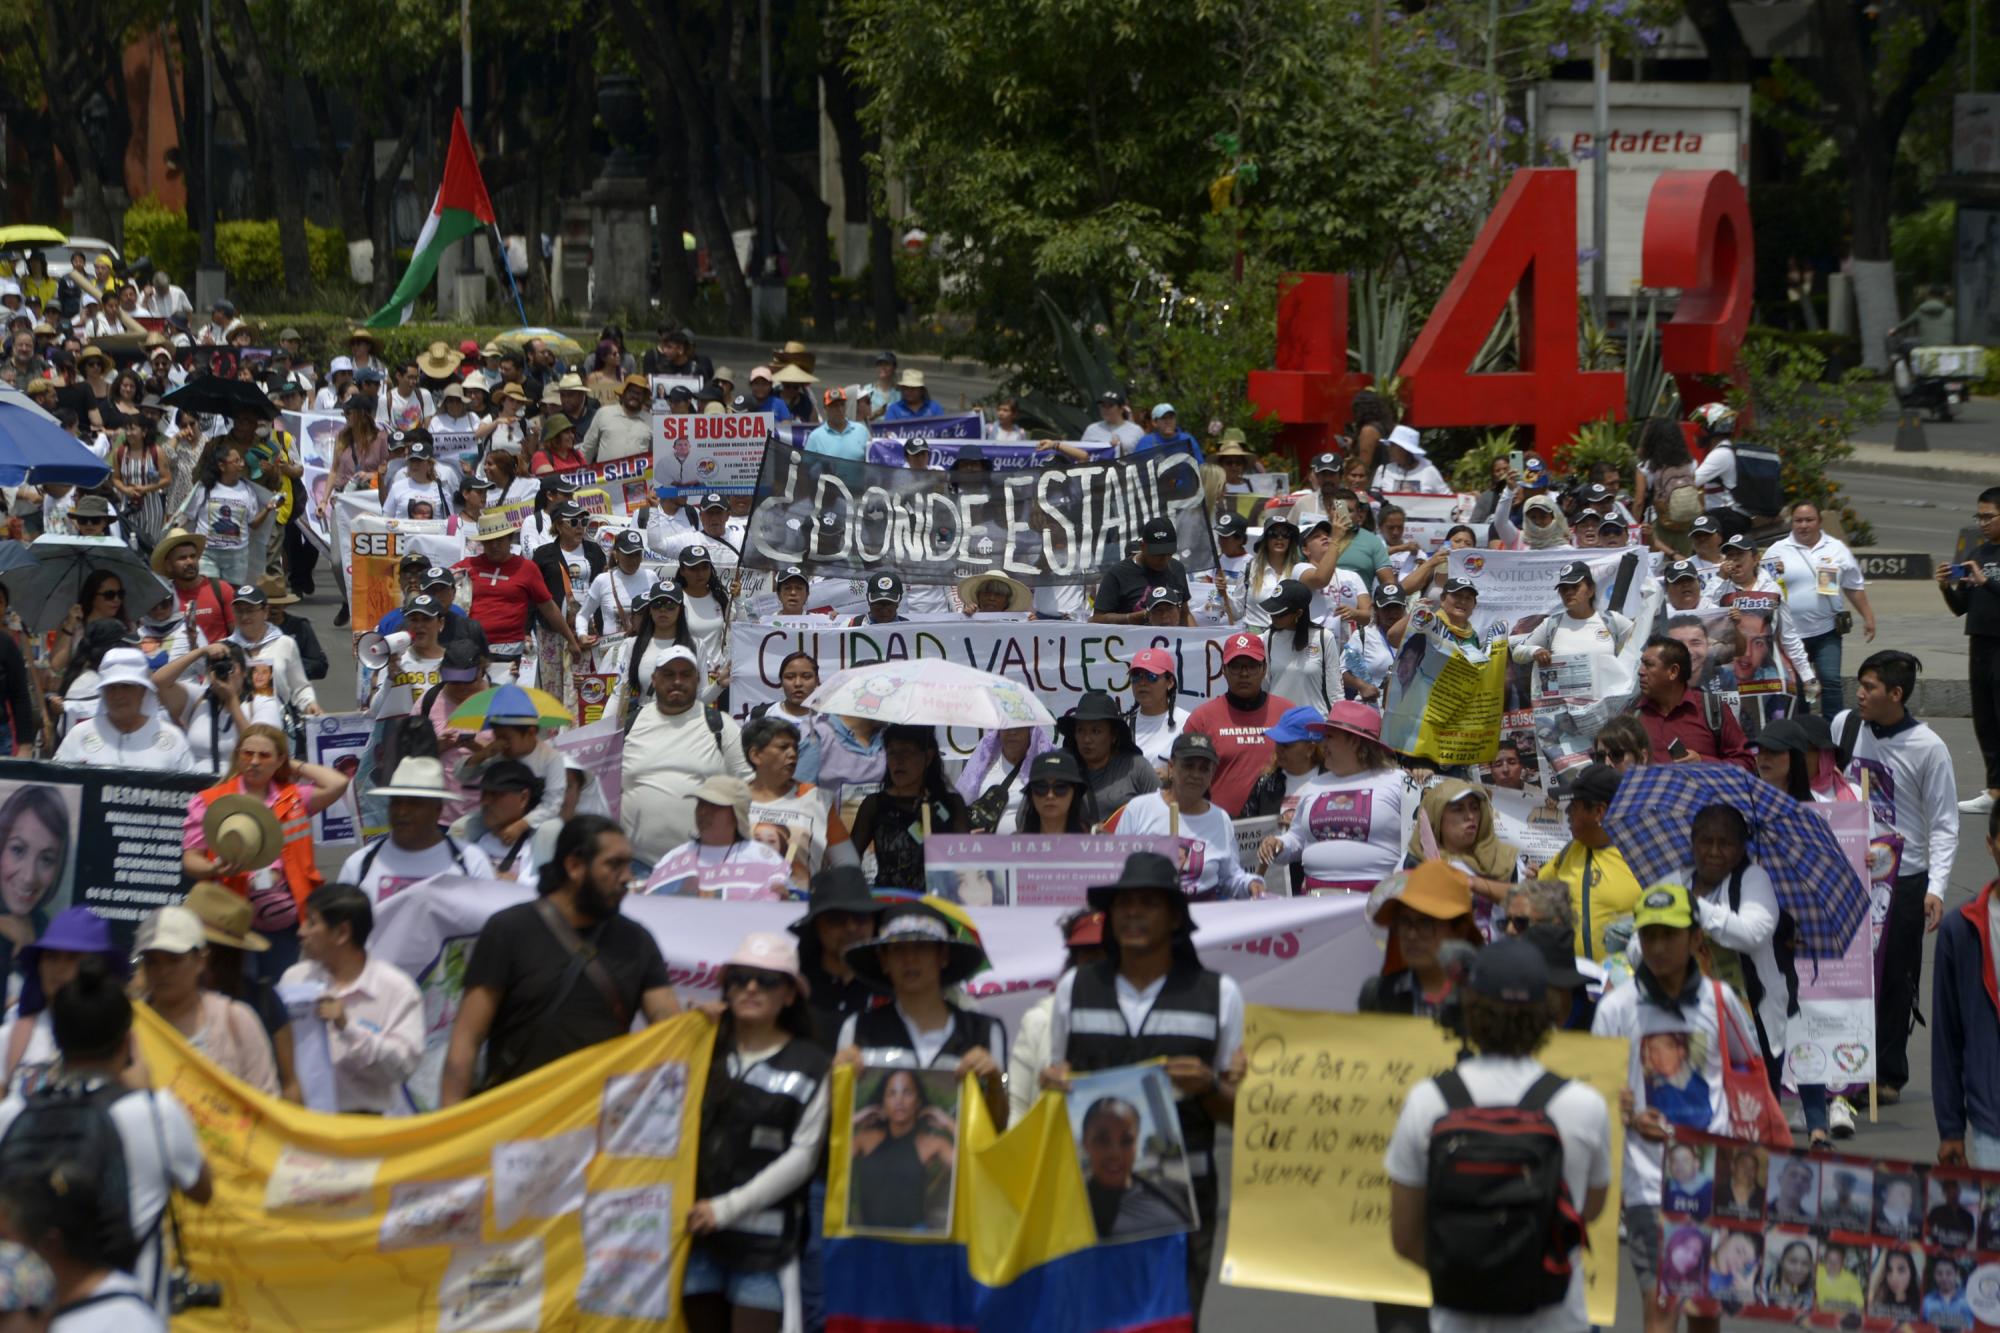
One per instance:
(1827, 1240)
(682, 873)
(338, 740)
(1303, 952)
(1445, 697)
(1309, 1200)
(1517, 589)
(353, 1224)
(1428, 519)
(1028, 869)
(1250, 835)
(120, 829)
(626, 485)
(1058, 660)
(597, 747)
(1831, 1039)
(887, 451)
(696, 453)
(1517, 763)
(1041, 527)
(314, 434)
(1535, 823)
(665, 384)
(594, 690)
(376, 546)
(967, 426)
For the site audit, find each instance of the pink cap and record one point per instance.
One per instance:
(1242, 645)
(1356, 719)
(1156, 660)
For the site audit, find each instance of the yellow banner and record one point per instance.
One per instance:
(556, 1202)
(1309, 1202)
(1461, 718)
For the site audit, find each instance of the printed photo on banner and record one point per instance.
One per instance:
(1028, 869)
(1135, 1163)
(903, 1163)
(709, 453)
(747, 873)
(1516, 765)
(40, 824)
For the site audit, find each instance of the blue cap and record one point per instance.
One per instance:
(1298, 724)
(510, 706)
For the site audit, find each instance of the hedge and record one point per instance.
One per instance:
(325, 336)
(247, 250)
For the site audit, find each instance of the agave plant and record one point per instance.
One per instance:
(1381, 328)
(1086, 360)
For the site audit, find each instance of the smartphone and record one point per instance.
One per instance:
(1961, 571)
(1677, 748)
(1516, 461)
(1340, 508)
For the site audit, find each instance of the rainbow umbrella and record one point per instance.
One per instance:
(511, 701)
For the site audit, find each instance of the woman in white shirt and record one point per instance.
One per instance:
(1579, 627)
(1304, 657)
(611, 608)
(663, 627)
(1209, 867)
(1156, 720)
(1409, 469)
(1816, 571)
(1348, 831)
(225, 508)
(1271, 562)
(704, 602)
(267, 646)
(420, 480)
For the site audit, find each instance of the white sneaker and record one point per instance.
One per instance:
(1840, 1118)
(1978, 805)
(1795, 1120)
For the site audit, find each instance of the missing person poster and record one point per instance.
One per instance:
(902, 1165)
(693, 453)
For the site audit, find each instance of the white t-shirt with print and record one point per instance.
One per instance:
(1580, 1117)
(1349, 832)
(1155, 735)
(1342, 592)
(223, 515)
(1208, 843)
(394, 869)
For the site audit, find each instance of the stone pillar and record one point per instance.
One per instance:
(620, 201)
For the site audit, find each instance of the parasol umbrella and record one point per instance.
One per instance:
(1650, 822)
(931, 691)
(221, 396)
(549, 711)
(44, 595)
(35, 449)
(561, 342)
(28, 235)
(12, 397)
(16, 555)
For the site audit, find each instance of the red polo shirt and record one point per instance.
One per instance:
(1242, 750)
(504, 596)
(1688, 720)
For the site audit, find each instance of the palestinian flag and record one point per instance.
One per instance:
(461, 209)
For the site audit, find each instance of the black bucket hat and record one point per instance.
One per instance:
(1098, 706)
(839, 889)
(1145, 870)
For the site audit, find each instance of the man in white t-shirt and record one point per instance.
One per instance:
(93, 1025)
(1209, 865)
(1113, 429)
(416, 845)
(1507, 1019)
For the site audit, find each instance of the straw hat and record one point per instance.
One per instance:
(791, 373)
(89, 354)
(365, 336)
(1019, 596)
(242, 830)
(795, 353)
(175, 538)
(418, 777)
(494, 524)
(727, 789)
(910, 379)
(225, 916)
(276, 591)
(439, 361)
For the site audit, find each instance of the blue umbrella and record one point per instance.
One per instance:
(34, 449)
(1650, 822)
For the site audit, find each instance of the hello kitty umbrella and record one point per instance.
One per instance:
(931, 691)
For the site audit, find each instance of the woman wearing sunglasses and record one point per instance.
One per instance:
(763, 1121)
(1156, 721)
(1055, 795)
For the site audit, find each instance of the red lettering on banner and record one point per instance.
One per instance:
(1529, 245)
(1698, 239)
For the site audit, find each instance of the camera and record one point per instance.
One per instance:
(184, 1293)
(222, 669)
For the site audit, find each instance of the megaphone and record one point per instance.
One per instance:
(377, 649)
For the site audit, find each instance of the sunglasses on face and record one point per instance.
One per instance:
(741, 977)
(110, 594)
(1518, 925)
(1601, 756)
(1047, 788)
(1147, 677)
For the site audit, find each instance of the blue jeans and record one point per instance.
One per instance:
(1812, 1096)
(1823, 651)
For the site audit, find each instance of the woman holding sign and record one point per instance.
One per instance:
(814, 837)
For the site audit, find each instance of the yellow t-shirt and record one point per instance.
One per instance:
(1602, 888)
(1839, 1293)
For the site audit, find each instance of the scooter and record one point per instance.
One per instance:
(1918, 387)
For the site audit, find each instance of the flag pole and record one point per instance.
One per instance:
(500, 248)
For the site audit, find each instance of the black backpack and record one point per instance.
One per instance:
(1499, 1224)
(65, 1123)
(1760, 479)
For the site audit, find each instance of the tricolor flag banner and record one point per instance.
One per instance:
(1022, 1251)
(460, 209)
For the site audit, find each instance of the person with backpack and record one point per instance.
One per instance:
(1665, 483)
(138, 1144)
(673, 744)
(1497, 1166)
(1678, 1022)
(1739, 481)
(416, 845)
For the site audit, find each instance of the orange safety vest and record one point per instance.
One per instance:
(301, 873)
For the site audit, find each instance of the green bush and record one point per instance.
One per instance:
(1838, 352)
(1474, 469)
(162, 234)
(1600, 441)
(1807, 415)
(247, 250)
(1923, 244)
(325, 336)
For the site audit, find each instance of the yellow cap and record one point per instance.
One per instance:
(1664, 905)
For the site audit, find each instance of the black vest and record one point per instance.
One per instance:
(883, 1030)
(1186, 1019)
(747, 1122)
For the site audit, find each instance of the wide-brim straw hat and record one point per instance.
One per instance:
(440, 361)
(174, 539)
(1019, 595)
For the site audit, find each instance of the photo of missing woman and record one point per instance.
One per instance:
(904, 1150)
(1128, 1139)
(1790, 1258)
(38, 821)
(1896, 1291)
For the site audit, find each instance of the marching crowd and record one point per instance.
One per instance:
(1315, 594)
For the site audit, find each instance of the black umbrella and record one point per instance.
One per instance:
(216, 395)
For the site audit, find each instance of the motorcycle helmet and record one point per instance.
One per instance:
(1715, 418)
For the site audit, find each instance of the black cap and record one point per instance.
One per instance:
(1112, 396)
(1159, 537)
(1573, 571)
(1596, 493)
(1164, 596)
(714, 500)
(741, 402)
(1461, 585)
(916, 444)
(1231, 524)
(695, 555)
(569, 511)
(1738, 541)
(1704, 525)
(1326, 462)
(437, 576)
(474, 482)
(663, 590)
(885, 356)
(680, 393)
(250, 595)
(1597, 783)
(791, 573)
(1510, 971)
(971, 453)
(1782, 736)
(1558, 949)
(1192, 745)
(563, 483)
(885, 588)
(1291, 595)
(1611, 519)
(1056, 766)
(510, 775)
(416, 560)
(424, 604)
(1390, 594)
(629, 542)
(421, 448)
(1677, 570)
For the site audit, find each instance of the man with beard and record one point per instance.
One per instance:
(526, 999)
